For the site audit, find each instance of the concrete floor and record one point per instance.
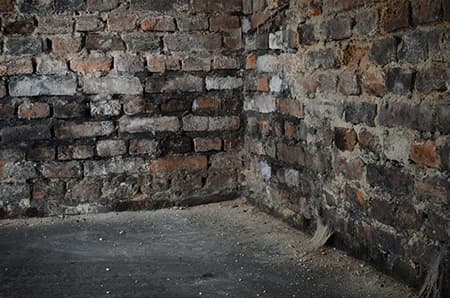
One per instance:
(219, 250)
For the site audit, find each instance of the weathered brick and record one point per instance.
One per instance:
(262, 84)
(181, 83)
(18, 45)
(20, 26)
(413, 47)
(128, 63)
(91, 64)
(360, 113)
(384, 51)
(345, 139)
(145, 124)
(159, 23)
(327, 82)
(82, 191)
(193, 23)
(104, 42)
(225, 62)
(348, 84)
(196, 63)
(72, 130)
(262, 103)
(395, 15)
(291, 154)
(322, 58)
(352, 169)
(88, 24)
(425, 153)
(431, 79)
(426, 11)
(7, 111)
(193, 41)
(16, 66)
(200, 123)
(111, 147)
(54, 169)
(25, 133)
(19, 171)
(207, 144)
(66, 44)
(15, 192)
(112, 85)
(69, 5)
(176, 163)
(3, 91)
(223, 23)
(122, 22)
(223, 83)
(134, 104)
(48, 191)
(42, 85)
(174, 105)
(443, 113)
(46, 64)
(366, 22)
(105, 106)
(390, 179)
(101, 5)
(115, 165)
(399, 81)
(71, 152)
(55, 24)
(414, 116)
(144, 146)
(337, 28)
(140, 42)
(29, 110)
(373, 83)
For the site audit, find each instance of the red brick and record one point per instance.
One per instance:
(435, 192)
(290, 107)
(291, 130)
(207, 144)
(349, 168)
(262, 84)
(206, 104)
(61, 170)
(251, 61)
(373, 83)
(425, 153)
(259, 19)
(28, 110)
(156, 63)
(159, 23)
(6, 5)
(345, 138)
(175, 163)
(90, 64)
(172, 63)
(15, 67)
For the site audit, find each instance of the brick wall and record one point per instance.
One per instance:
(347, 117)
(118, 105)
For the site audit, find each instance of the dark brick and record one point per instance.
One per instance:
(352, 169)
(426, 11)
(368, 141)
(291, 154)
(71, 152)
(367, 22)
(360, 113)
(192, 41)
(69, 5)
(23, 26)
(431, 79)
(6, 5)
(348, 84)
(102, 5)
(104, 42)
(384, 51)
(399, 81)
(23, 45)
(395, 15)
(176, 105)
(327, 82)
(217, 6)
(382, 210)
(444, 118)
(413, 47)
(307, 36)
(61, 169)
(35, 6)
(44, 191)
(390, 179)
(70, 108)
(25, 133)
(414, 116)
(337, 28)
(160, 5)
(323, 58)
(137, 42)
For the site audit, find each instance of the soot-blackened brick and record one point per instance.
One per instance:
(360, 113)
(399, 81)
(391, 179)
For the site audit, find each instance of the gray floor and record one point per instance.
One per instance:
(218, 250)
